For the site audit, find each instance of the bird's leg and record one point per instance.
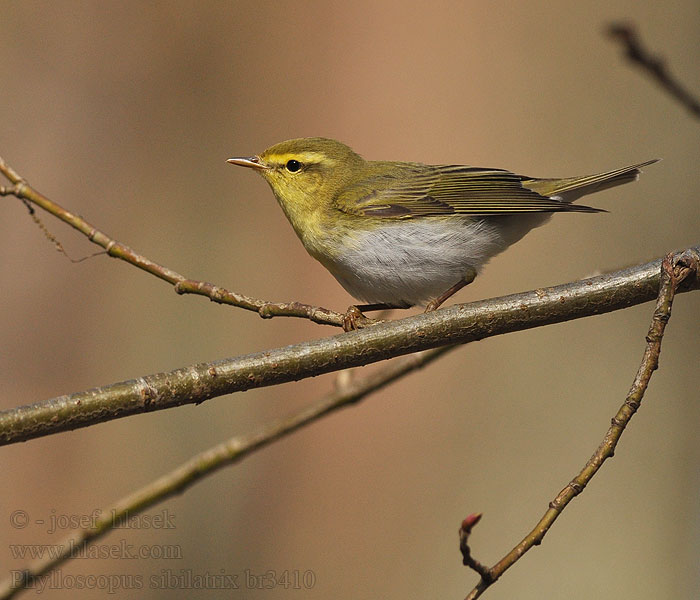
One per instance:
(435, 304)
(354, 315)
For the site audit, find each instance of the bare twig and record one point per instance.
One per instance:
(22, 190)
(674, 270)
(209, 461)
(457, 324)
(655, 66)
(468, 560)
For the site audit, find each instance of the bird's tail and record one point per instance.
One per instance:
(572, 188)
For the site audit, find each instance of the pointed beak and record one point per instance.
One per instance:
(252, 162)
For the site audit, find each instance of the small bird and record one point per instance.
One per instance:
(399, 234)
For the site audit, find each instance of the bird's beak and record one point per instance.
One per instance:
(252, 163)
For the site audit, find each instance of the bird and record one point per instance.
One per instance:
(400, 234)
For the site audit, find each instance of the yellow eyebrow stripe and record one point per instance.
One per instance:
(302, 157)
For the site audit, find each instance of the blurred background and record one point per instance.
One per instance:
(125, 113)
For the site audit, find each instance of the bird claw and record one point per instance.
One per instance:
(354, 319)
(432, 305)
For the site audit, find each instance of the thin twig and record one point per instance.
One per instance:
(209, 461)
(22, 190)
(655, 66)
(457, 324)
(674, 270)
(468, 560)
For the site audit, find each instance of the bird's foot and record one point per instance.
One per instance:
(354, 319)
(435, 304)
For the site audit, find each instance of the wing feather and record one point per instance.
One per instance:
(414, 190)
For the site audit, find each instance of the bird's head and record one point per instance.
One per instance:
(305, 172)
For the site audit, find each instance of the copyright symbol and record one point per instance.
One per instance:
(19, 519)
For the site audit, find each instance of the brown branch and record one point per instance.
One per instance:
(655, 66)
(22, 190)
(209, 461)
(674, 270)
(457, 324)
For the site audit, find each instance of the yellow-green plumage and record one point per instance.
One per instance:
(401, 233)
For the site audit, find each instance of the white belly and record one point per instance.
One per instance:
(412, 262)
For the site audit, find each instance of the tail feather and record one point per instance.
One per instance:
(572, 188)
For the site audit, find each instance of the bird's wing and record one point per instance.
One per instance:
(425, 191)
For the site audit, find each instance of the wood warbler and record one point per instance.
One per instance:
(397, 234)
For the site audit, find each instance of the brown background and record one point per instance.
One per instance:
(126, 114)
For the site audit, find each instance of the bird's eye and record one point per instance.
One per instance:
(293, 166)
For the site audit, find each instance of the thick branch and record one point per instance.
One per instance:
(207, 462)
(457, 324)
